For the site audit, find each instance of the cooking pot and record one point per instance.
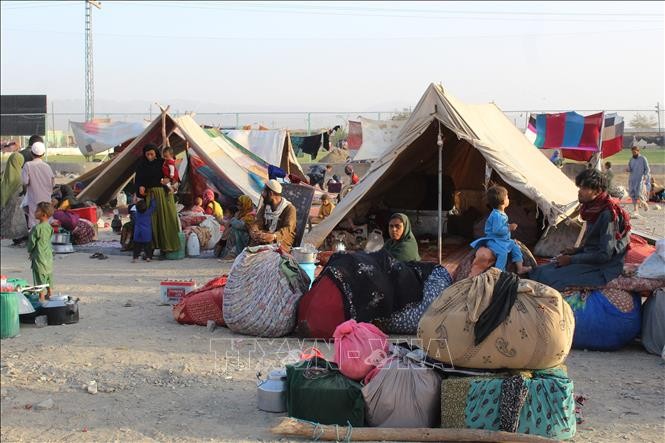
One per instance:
(60, 311)
(63, 248)
(61, 238)
(303, 255)
(271, 392)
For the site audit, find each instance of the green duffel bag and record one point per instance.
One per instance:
(318, 392)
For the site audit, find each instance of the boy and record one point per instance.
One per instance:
(497, 232)
(40, 250)
(170, 171)
(143, 230)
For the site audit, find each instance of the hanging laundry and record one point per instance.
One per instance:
(296, 143)
(355, 138)
(274, 172)
(326, 141)
(310, 144)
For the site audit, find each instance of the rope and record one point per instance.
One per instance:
(349, 431)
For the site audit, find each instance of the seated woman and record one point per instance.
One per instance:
(236, 232)
(211, 206)
(601, 256)
(402, 244)
(67, 199)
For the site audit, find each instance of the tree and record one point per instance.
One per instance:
(641, 121)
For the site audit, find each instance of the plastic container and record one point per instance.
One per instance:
(180, 253)
(309, 269)
(9, 325)
(17, 283)
(172, 291)
(88, 213)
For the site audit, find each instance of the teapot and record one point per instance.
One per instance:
(271, 392)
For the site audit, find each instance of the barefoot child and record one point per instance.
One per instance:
(497, 232)
(40, 249)
(170, 171)
(143, 229)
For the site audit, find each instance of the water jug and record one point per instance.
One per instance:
(271, 392)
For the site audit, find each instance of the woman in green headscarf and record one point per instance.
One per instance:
(402, 244)
(11, 179)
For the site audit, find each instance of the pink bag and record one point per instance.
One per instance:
(359, 347)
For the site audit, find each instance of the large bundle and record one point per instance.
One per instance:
(653, 323)
(405, 321)
(320, 310)
(201, 305)
(605, 320)
(318, 392)
(539, 403)
(262, 293)
(402, 394)
(536, 332)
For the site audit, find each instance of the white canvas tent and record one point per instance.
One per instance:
(476, 138)
(272, 145)
(230, 178)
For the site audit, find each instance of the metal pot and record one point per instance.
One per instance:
(61, 238)
(63, 249)
(302, 256)
(271, 392)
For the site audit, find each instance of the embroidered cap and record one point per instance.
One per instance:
(274, 186)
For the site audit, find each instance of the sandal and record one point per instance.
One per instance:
(102, 256)
(96, 255)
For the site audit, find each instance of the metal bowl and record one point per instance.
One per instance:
(61, 238)
(302, 256)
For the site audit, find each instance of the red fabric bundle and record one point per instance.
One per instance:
(639, 250)
(203, 304)
(320, 310)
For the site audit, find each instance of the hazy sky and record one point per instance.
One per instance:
(340, 56)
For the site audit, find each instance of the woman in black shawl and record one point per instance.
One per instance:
(149, 180)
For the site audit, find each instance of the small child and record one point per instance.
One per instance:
(40, 249)
(497, 232)
(170, 171)
(198, 205)
(143, 229)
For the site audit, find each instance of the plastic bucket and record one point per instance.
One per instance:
(180, 253)
(9, 325)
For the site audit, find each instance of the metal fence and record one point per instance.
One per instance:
(58, 132)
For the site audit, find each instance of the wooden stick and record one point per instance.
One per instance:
(298, 428)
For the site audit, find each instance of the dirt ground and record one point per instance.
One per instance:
(161, 381)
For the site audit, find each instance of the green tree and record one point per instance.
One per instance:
(641, 121)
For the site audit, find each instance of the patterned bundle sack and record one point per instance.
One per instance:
(604, 321)
(402, 394)
(653, 323)
(259, 299)
(405, 321)
(359, 347)
(201, 305)
(536, 334)
(538, 403)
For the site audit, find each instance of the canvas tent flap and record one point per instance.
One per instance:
(378, 136)
(501, 144)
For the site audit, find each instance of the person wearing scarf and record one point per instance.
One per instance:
(402, 244)
(236, 234)
(211, 206)
(149, 181)
(275, 219)
(600, 258)
(12, 218)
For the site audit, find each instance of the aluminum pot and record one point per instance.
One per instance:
(271, 392)
(302, 256)
(61, 238)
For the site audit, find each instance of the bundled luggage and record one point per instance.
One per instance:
(201, 305)
(536, 332)
(262, 293)
(653, 323)
(539, 402)
(318, 392)
(320, 310)
(359, 347)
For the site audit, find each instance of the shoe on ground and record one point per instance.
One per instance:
(636, 215)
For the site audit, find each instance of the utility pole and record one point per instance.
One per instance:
(660, 132)
(89, 75)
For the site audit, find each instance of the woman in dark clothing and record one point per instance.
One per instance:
(601, 256)
(402, 243)
(149, 181)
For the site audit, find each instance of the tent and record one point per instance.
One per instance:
(272, 145)
(478, 142)
(213, 160)
(377, 137)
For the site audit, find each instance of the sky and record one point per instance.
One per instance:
(337, 56)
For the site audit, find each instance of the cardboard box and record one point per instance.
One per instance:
(171, 291)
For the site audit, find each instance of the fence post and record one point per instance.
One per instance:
(237, 120)
(309, 123)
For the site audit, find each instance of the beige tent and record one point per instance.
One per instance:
(217, 163)
(479, 142)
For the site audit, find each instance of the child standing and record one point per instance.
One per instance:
(143, 229)
(170, 171)
(40, 249)
(497, 232)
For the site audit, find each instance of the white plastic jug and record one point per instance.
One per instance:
(374, 241)
(193, 245)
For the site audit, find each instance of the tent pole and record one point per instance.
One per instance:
(439, 143)
(599, 158)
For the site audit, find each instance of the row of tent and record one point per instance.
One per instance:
(478, 142)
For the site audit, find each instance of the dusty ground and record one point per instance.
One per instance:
(161, 381)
